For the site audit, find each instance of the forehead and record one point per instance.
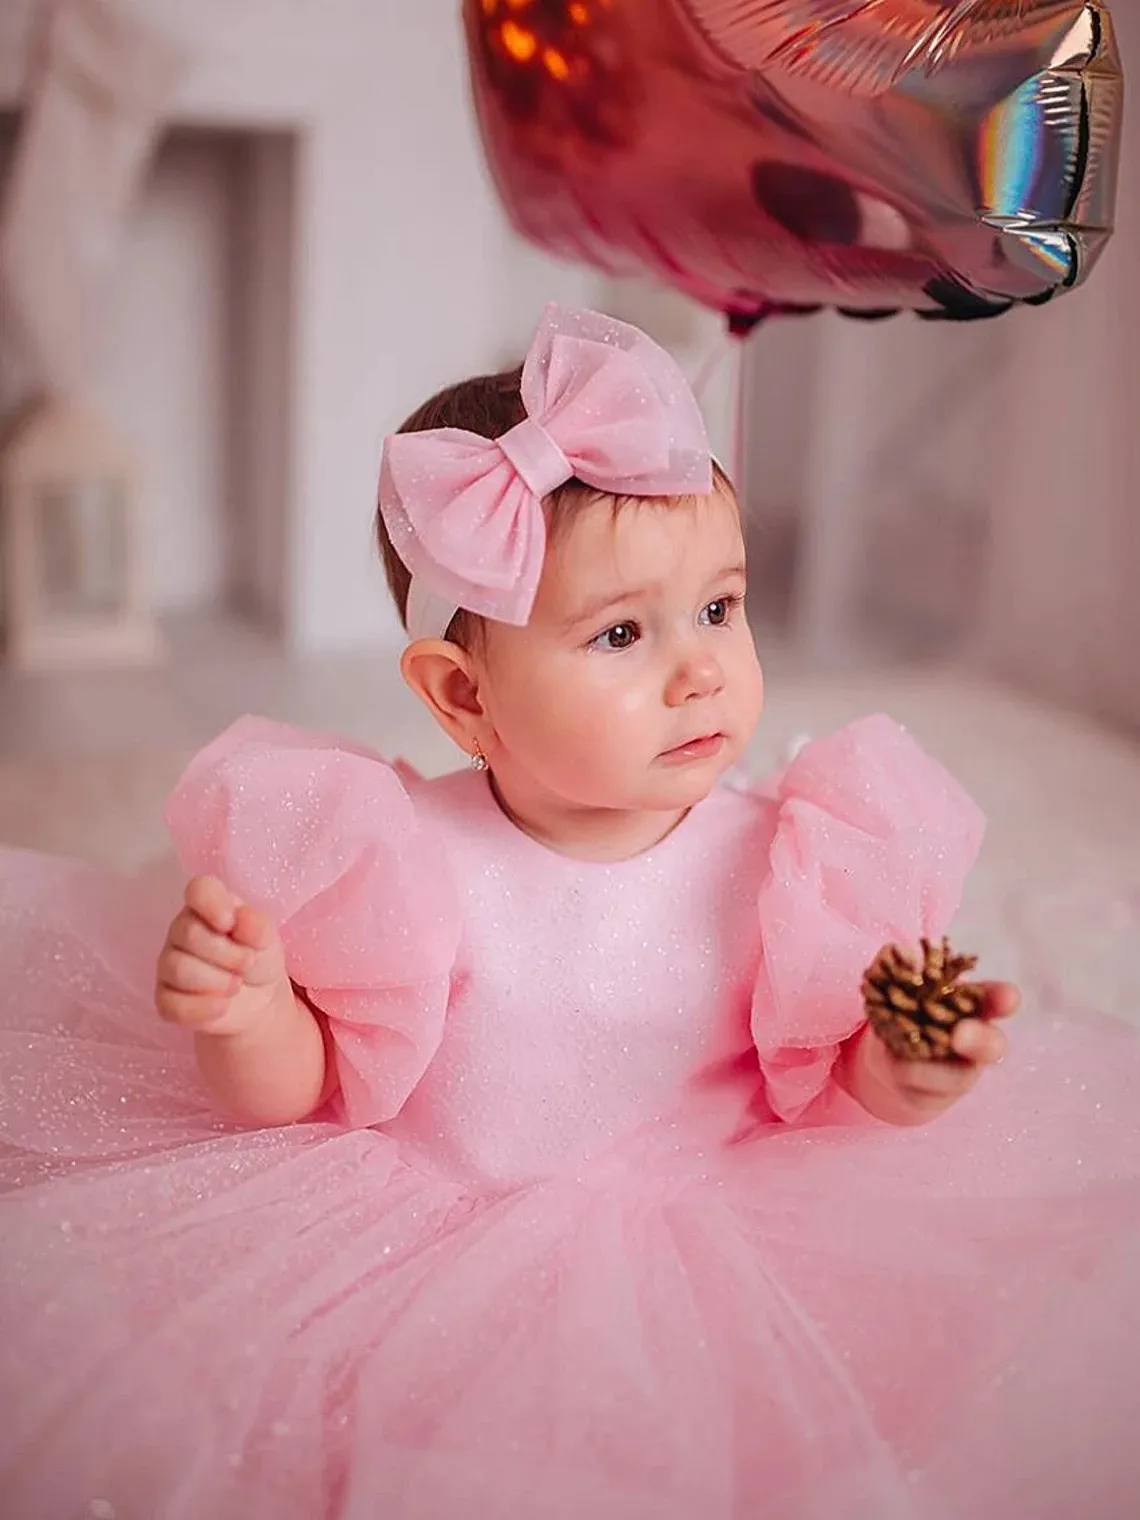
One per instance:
(635, 541)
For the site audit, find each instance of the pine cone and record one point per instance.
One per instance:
(914, 1005)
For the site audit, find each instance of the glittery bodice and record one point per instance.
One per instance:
(586, 998)
(508, 1012)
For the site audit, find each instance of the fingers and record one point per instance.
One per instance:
(219, 926)
(1000, 1000)
(182, 972)
(939, 1080)
(253, 929)
(978, 1042)
(190, 1010)
(213, 902)
(215, 945)
(191, 990)
(193, 936)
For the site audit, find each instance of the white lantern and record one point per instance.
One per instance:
(74, 586)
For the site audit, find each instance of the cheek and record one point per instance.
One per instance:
(747, 681)
(574, 708)
(599, 705)
(540, 706)
(633, 700)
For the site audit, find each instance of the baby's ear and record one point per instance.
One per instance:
(441, 675)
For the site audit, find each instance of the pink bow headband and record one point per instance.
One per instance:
(603, 403)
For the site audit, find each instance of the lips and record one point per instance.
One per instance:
(701, 747)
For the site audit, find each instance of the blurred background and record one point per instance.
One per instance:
(943, 519)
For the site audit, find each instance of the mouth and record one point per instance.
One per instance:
(704, 747)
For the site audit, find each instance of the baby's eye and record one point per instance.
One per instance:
(717, 613)
(620, 636)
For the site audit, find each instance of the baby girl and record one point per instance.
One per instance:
(598, 667)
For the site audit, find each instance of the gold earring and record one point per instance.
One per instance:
(478, 758)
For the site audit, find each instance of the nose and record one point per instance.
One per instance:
(696, 674)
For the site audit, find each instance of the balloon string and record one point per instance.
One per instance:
(732, 349)
(709, 367)
(738, 421)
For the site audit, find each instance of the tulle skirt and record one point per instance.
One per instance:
(838, 1321)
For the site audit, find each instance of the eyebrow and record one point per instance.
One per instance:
(594, 609)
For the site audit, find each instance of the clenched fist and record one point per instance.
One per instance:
(223, 964)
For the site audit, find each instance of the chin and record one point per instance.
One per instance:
(686, 789)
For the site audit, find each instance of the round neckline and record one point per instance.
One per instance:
(486, 793)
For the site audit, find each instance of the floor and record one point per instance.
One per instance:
(215, 671)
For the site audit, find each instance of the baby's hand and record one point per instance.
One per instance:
(914, 1092)
(222, 964)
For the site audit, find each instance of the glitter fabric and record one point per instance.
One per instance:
(590, 1231)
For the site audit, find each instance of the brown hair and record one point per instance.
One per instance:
(489, 405)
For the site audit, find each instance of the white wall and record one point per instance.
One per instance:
(164, 372)
(196, 347)
(166, 367)
(264, 274)
(877, 441)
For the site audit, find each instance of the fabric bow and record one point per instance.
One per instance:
(603, 403)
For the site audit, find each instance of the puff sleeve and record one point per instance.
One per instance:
(873, 842)
(324, 837)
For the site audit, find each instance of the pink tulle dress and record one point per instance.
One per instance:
(589, 1232)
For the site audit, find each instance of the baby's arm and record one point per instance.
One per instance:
(261, 1049)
